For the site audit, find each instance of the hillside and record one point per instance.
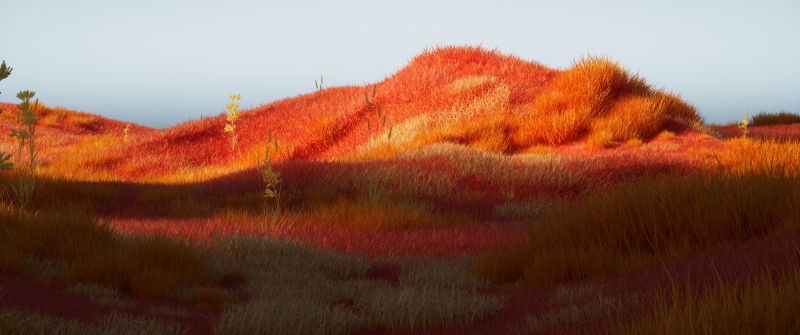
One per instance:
(464, 95)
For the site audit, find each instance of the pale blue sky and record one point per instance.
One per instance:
(160, 62)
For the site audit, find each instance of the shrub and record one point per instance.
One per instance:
(767, 119)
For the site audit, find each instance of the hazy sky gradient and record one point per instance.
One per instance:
(160, 63)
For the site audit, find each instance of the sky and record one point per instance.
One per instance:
(159, 63)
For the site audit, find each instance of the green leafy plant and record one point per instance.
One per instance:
(27, 119)
(745, 122)
(233, 115)
(4, 158)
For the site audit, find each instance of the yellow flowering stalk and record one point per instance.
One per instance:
(233, 115)
(125, 133)
(745, 122)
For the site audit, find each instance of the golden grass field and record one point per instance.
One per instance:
(471, 192)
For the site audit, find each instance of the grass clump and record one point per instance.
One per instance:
(634, 226)
(88, 252)
(760, 305)
(768, 119)
(599, 99)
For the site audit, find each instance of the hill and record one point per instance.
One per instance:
(463, 95)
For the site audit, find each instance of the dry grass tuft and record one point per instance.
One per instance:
(598, 98)
(665, 135)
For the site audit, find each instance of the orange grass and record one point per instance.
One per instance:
(743, 155)
(599, 98)
(488, 133)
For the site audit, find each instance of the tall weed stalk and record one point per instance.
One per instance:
(232, 117)
(27, 118)
(272, 187)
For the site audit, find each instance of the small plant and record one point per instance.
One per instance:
(376, 107)
(4, 159)
(745, 122)
(233, 115)
(272, 187)
(125, 133)
(27, 119)
(374, 190)
(318, 85)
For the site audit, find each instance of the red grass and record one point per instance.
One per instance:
(602, 120)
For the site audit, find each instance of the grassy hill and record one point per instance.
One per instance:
(471, 192)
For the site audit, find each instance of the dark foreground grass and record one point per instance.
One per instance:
(762, 304)
(639, 225)
(90, 252)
